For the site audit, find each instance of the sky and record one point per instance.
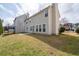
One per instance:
(70, 12)
(8, 11)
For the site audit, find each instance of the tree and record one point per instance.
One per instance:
(64, 20)
(1, 27)
(61, 30)
(77, 30)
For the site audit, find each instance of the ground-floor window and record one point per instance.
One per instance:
(33, 28)
(27, 28)
(44, 27)
(39, 28)
(36, 28)
(30, 28)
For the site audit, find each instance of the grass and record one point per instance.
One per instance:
(38, 45)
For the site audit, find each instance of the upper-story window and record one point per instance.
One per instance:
(30, 20)
(46, 13)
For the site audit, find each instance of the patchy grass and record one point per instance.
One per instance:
(71, 33)
(38, 45)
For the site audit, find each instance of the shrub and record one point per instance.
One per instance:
(77, 30)
(1, 31)
(1, 28)
(61, 30)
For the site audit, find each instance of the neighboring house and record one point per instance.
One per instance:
(10, 28)
(19, 23)
(69, 26)
(77, 25)
(45, 21)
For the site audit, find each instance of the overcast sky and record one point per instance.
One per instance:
(8, 11)
(70, 11)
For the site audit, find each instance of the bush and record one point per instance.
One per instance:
(1, 28)
(1, 31)
(61, 30)
(77, 30)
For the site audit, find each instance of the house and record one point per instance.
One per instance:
(69, 26)
(19, 23)
(76, 25)
(9, 28)
(46, 21)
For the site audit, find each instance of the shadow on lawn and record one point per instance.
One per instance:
(7, 34)
(65, 43)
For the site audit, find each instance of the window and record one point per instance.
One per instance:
(26, 22)
(30, 20)
(36, 28)
(33, 28)
(46, 14)
(27, 28)
(44, 28)
(30, 28)
(39, 28)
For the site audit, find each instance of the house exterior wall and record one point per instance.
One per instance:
(19, 24)
(38, 19)
(49, 17)
(51, 21)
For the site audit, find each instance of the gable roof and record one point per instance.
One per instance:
(42, 11)
(36, 13)
(19, 16)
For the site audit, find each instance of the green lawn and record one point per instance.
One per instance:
(36, 44)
